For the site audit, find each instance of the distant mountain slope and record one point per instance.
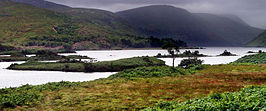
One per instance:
(44, 4)
(20, 21)
(23, 25)
(259, 41)
(97, 17)
(195, 29)
(100, 18)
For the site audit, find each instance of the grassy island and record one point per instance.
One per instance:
(79, 66)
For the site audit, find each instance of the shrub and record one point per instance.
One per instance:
(226, 53)
(28, 95)
(188, 62)
(248, 99)
(156, 71)
(6, 48)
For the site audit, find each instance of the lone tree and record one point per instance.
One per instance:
(173, 50)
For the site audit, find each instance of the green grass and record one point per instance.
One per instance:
(29, 95)
(248, 99)
(106, 66)
(156, 71)
(254, 59)
(121, 93)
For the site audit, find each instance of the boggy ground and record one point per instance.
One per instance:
(135, 92)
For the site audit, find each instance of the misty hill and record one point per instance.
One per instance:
(259, 41)
(234, 17)
(23, 25)
(195, 29)
(232, 30)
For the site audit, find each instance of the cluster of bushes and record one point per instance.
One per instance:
(6, 48)
(227, 53)
(187, 53)
(254, 59)
(28, 95)
(156, 71)
(260, 51)
(166, 42)
(48, 44)
(248, 99)
(190, 62)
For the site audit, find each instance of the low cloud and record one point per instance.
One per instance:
(251, 11)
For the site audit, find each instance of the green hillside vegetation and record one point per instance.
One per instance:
(20, 21)
(25, 26)
(259, 41)
(255, 59)
(250, 98)
(29, 95)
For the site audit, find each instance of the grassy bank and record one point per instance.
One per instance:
(248, 99)
(106, 66)
(120, 92)
(255, 59)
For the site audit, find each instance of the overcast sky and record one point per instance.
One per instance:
(251, 11)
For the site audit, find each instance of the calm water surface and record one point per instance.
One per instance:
(9, 78)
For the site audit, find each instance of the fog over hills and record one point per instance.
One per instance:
(259, 41)
(195, 28)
